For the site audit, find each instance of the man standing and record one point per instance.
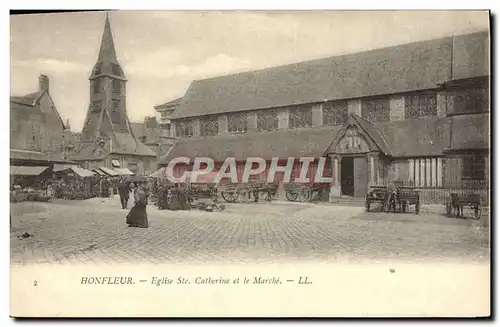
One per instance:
(123, 191)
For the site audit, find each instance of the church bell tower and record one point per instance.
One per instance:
(107, 112)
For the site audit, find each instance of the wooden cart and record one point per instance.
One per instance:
(303, 192)
(245, 192)
(456, 203)
(377, 194)
(402, 198)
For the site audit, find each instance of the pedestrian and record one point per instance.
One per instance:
(124, 192)
(138, 217)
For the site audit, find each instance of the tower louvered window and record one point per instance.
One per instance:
(115, 111)
(117, 86)
(96, 106)
(97, 86)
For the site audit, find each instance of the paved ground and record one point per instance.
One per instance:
(94, 231)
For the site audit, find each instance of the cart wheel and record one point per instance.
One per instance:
(229, 196)
(417, 208)
(305, 195)
(291, 195)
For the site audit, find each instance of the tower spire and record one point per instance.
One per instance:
(107, 51)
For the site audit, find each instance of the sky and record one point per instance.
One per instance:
(162, 52)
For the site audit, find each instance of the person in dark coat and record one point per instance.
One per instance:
(124, 191)
(138, 217)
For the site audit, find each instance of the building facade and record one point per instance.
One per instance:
(107, 138)
(37, 132)
(415, 113)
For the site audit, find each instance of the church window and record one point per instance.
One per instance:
(117, 86)
(300, 116)
(267, 120)
(97, 86)
(473, 167)
(420, 105)
(334, 113)
(96, 106)
(209, 126)
(376, 110)
(474, 100)
(184, 129)
(115, 69)
(237, 123)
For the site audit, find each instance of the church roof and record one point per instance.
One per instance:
(404, 138)
(397, 69)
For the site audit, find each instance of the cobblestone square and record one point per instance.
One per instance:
(94, 231)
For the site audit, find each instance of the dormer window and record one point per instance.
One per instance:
(115, 69)
(98, 69)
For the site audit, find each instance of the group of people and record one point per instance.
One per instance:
(172, 197)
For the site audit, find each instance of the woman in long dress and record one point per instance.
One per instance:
(138, 217)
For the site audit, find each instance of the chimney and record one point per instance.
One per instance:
(43, 83)
(150, 122)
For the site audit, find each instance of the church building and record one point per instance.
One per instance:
(107, 138)
(416, 114)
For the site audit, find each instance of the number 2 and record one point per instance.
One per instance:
(35, 283)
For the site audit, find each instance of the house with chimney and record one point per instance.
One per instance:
(38, 134)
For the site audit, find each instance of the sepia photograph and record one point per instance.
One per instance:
(250, 163)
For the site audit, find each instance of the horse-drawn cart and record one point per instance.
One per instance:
(456, 203)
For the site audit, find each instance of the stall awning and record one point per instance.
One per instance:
(160, 173)
(109, 171)
(115, 163)
(123, 171)
(77, 170)
(59, 167)
(27, 170)
(99, 172)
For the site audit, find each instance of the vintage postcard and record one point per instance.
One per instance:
(250, 164)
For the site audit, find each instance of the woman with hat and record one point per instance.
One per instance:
(138, 217)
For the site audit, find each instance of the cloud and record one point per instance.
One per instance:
(51, 65)
(169, 63)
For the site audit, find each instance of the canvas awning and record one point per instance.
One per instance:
(77, 170)
(99, 172)
(160, 173)
(115, 163)
(27, 170)
(123, 171)
(109, 171)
